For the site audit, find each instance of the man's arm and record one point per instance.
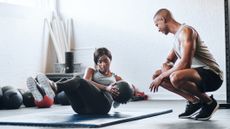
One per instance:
(187, 39)
(171, 58)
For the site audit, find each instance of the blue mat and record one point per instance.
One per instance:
(67, 118)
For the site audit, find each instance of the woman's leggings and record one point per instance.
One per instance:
(84, 97)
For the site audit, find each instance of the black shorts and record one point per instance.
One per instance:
(210, 80)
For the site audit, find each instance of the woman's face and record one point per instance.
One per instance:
(104, 63)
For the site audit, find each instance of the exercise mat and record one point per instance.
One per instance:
(68, 119)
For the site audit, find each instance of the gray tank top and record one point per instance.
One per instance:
(104, 80)
(202, 56)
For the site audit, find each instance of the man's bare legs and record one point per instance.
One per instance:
(183, 83)
(193, 104)
(187, 80)
(166, 84)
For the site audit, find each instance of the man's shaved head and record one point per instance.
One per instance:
(163, 13)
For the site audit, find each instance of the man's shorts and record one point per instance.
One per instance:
(210, 80)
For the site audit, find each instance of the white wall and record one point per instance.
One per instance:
(21, 45)
(126, 28)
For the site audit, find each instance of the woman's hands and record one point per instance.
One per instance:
(112, 89)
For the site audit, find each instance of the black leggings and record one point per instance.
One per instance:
(84, 97)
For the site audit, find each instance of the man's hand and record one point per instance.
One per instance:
(155, 84)
(156, 74)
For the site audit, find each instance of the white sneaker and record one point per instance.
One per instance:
(32, 86)
(45, 84)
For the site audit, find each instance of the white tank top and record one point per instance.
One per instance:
(202, 56)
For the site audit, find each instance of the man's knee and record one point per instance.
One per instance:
(176, 79)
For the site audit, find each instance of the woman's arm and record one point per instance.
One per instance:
(89, 75)
(111, 89)
(118, 78)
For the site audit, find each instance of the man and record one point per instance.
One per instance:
(190, 69)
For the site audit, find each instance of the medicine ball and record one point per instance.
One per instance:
(56, 100)
(21, 91)
(62, 98)
(5, 88)
(46, 102)
(12, 99)
(1, 98)
(1, 93)
(28, 99)
(125, 92)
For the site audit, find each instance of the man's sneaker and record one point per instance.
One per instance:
(207, 110)
(32, 86)
(190, 110)
(44, 82)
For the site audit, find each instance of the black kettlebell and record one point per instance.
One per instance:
(62, 98)
(5, 88)
(1, 98)
(28, 99)
(12, 99)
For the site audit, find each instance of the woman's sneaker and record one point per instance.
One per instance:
(44, 82)
(33, 87)
(207, 110)
(190, 110)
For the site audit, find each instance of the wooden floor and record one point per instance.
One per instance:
(168, 121)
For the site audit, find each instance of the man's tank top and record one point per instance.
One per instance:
(202, 56)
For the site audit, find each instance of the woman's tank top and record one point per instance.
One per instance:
(102, 79)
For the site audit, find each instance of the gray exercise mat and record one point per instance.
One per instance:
(67, 118)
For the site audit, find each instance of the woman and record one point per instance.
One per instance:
(91, 95)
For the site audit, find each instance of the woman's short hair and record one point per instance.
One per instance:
(100, 52)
